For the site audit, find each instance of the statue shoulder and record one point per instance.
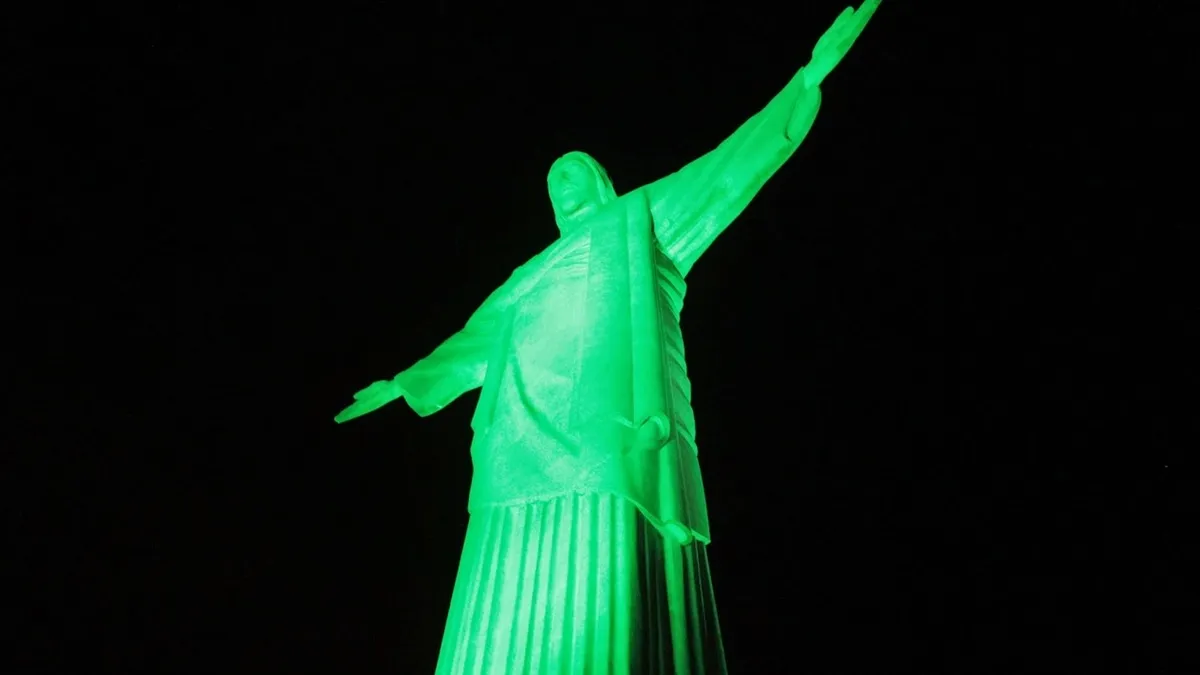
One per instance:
(527, 275)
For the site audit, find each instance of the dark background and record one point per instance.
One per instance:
(939, 363)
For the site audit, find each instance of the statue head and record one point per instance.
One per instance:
(578, 187)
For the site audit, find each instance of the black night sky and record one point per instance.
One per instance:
(938, 362)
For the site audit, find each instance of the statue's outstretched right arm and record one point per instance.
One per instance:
(458, 365)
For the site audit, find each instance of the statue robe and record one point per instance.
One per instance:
(582, 344)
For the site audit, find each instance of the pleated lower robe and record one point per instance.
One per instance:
(579, 585)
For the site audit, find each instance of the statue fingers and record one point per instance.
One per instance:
(861, 17)
(866, 9)
(360, 408)
(374, 390)
(832, 36)
(843, 28)
(347, 414)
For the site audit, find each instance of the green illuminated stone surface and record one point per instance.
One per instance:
(585, 549)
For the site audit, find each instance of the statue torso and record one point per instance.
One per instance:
(568, 378)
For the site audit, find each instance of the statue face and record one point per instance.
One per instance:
(573, 190)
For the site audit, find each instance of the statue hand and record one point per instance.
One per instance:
(371, 399)
(836, 41)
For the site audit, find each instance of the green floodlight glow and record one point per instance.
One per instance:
(585, 551)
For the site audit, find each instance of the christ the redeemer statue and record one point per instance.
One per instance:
(585, 550)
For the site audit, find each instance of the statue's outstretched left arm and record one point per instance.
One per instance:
(692, 206)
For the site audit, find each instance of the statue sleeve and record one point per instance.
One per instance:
(460, 363)
(692, 206)
(457, 366)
